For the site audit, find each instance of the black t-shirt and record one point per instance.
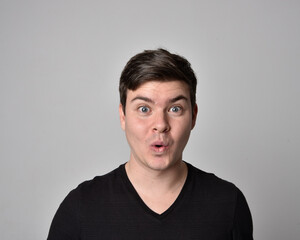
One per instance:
(108, 207)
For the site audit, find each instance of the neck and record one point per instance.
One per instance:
(157, 182)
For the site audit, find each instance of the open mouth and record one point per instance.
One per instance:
(159, 147)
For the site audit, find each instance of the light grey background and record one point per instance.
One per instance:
(60, 63)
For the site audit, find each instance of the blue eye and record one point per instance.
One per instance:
(144, 109)
(175, 109)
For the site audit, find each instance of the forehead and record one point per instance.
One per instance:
(160, 90)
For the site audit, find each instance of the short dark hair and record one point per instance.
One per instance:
(157, 65)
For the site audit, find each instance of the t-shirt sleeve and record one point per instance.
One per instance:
(66, 223)
(243, 226)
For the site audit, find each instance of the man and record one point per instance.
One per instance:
(155, 195)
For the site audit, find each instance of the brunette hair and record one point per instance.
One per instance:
(156, 65)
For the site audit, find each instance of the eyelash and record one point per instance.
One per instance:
(143, 108)
(176, 107)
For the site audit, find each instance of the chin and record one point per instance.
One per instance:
(160, 164)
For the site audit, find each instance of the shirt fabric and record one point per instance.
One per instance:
(108, 207)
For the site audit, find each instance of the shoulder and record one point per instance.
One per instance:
(212, 186)
(100, 189)
(82, 200)
(221, 199)
(99, 185)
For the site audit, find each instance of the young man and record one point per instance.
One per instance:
(155, 195)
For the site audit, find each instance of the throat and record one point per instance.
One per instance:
(159, 193)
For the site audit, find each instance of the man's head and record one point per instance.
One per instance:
(157, 91)
(156, 65)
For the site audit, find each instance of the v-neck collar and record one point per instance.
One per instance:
(140, 201)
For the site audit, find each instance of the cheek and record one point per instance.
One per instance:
(136, 129)
(182, 132)
(185, 134)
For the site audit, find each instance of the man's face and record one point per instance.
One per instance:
(158, 121)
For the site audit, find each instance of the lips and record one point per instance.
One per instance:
(159, 146)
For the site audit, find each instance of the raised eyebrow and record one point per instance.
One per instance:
(172, 100)
(143, 99)
(175, 99)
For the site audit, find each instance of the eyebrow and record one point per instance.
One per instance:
(180, 97)
(172, 100)
(143, 99)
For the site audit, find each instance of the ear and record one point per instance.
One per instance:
(195, 112)
(122, 116)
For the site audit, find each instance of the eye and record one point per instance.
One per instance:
(175, 109)
(144, 109)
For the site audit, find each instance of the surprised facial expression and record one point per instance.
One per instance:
(157, 121)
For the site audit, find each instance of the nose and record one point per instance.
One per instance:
(161, 123)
